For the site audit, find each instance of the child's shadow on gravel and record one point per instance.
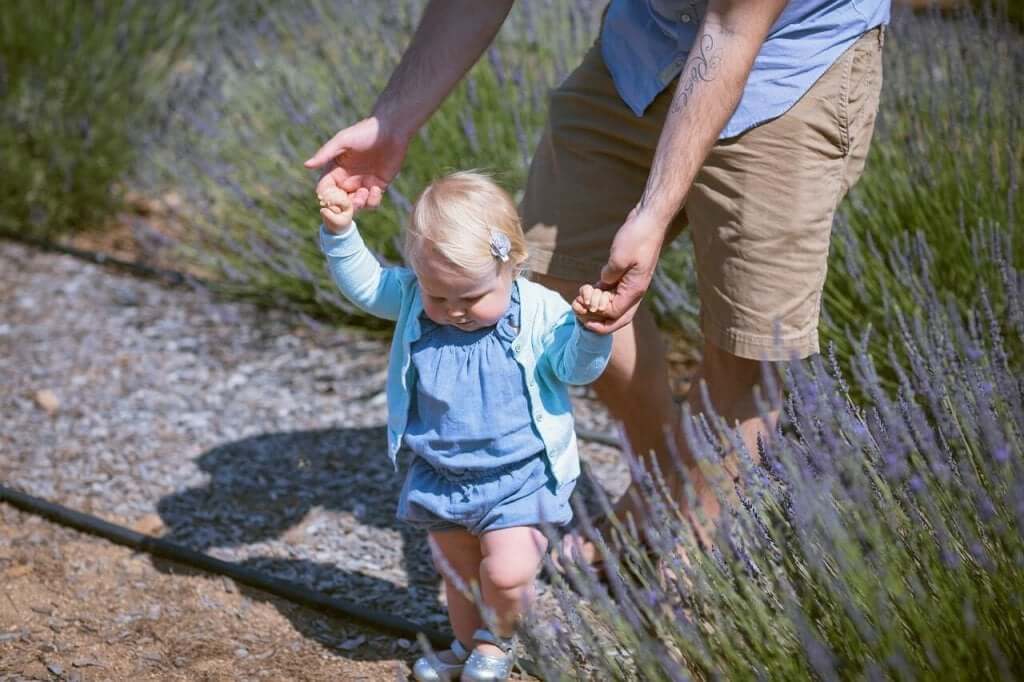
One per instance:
(285, 489)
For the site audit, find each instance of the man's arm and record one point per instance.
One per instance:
(363, 158)
(451, 36)
(709, 89)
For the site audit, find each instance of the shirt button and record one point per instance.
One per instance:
(540, 416)
(685, 18)
(516, 346)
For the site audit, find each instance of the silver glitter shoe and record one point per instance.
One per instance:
(432, 669)
(482, 668)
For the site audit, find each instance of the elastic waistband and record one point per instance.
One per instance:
(467, 475)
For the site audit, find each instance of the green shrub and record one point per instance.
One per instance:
(80, 81)
(287, 80)
(944, 172)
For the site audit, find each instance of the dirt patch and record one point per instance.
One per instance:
(76, 607)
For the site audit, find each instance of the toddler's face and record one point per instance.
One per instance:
(465, 301)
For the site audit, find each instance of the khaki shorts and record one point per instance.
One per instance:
(760, 210)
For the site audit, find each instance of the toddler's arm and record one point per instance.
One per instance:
(353, 267)
(575, 354)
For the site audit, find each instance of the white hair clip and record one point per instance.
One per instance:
(500, 245)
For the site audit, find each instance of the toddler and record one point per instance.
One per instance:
(476, 389)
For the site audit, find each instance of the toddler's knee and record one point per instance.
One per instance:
(506, 573)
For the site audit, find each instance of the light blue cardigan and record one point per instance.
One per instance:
(551, 347)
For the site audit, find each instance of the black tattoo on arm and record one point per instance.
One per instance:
(700, 67)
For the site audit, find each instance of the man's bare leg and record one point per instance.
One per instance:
(636, 391)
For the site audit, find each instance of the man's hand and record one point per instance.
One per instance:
(707, 92)
(361, 160)
(336, 209)
(630, 267)
(364, 158)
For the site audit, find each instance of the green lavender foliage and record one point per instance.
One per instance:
(943, 170)
(880, 538)
(79, 82)
(281, 83)
(943, 174)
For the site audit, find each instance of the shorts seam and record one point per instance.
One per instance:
(759, 346)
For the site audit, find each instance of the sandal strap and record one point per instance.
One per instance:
(506, 644)
(460, 651)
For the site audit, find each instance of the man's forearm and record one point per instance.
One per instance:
(451, 36)
(709, 88)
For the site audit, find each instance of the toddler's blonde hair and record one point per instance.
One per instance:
(453, 218)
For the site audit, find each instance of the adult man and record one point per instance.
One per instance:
(755, 114)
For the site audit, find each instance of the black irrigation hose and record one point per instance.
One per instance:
(291, 591)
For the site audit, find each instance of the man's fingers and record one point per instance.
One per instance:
(330, 150)
(612, 272)
(350, 183)
(610, 324)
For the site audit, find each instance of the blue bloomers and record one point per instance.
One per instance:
(522, 493)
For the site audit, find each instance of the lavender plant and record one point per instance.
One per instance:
(944, 166)
(944, 171)
(280, 83)
(876, 539)
(77, 82)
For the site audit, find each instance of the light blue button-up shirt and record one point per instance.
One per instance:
(646, 42)
(552, 348)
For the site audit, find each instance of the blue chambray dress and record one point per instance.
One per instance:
(478, 462)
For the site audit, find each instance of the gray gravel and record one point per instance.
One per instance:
(245, 433)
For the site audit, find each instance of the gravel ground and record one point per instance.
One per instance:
(248, 434)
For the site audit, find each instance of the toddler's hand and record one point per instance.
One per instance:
(591, 303)
(336, 209)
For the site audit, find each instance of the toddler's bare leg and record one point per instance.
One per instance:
(511, 559)
(461, 551)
